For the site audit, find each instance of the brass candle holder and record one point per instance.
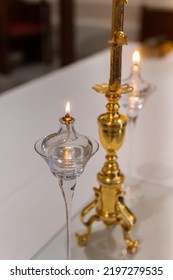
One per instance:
(109, 204)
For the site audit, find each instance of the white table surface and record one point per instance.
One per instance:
(150, 203)
(31, 205)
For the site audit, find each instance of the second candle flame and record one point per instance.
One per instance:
(136, 57)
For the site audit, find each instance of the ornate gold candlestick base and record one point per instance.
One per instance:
(109, 202)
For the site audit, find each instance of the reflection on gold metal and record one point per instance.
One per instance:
(109, 202)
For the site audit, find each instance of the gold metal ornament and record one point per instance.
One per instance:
(109, 204)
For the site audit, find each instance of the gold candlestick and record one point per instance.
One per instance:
(109, 198)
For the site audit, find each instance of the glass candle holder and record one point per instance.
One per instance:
(67, 152)
(134, 101)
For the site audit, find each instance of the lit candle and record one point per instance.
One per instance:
(67, 118)
(136, 57)
(134, 79)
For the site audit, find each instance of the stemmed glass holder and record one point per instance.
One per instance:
(66, 152)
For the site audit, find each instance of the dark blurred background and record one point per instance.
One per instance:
(39, 36)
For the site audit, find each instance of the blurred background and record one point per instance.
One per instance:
(40, 36)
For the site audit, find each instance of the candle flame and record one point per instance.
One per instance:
(67, 109)
(136, 57)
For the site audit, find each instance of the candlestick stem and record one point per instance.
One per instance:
(67, 188)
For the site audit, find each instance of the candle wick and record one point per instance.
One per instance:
(67, 119)
(136, 67)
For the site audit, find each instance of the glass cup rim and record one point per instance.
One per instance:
(94, 150)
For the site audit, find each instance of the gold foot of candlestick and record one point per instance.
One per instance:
(109, 202)
(123, 217)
